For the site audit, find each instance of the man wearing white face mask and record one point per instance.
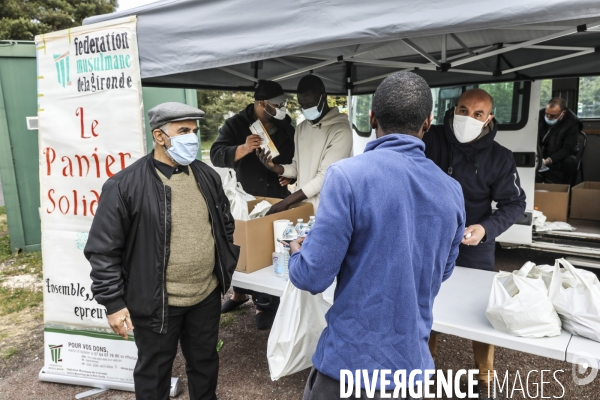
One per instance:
(162, 253)
(323, 138)
(465, 149)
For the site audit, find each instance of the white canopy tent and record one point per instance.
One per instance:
(354, 44)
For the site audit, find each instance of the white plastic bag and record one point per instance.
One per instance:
(519, 305)
(547, 271)
(296, 330)
(577, 300)
(238, 198)
(260, 210)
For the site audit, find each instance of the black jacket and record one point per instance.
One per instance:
(561, 140)
(251, 173)
(129, 241)
(487, 172)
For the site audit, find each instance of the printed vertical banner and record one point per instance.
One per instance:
(90, 128)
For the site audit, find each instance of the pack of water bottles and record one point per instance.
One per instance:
(281, 256)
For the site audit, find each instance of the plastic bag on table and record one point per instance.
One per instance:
(577, 300)
(519, 305)
(298, 325)
(546, 272)
(238, 198)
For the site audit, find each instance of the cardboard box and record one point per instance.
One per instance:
(255, 237)
(585, 201)
(552, 200)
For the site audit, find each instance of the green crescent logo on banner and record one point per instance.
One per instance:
(55, 352)
(63, 72)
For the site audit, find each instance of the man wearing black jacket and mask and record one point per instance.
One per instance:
(161, 250)
(464, 147)
(235, 147)
(558, 138)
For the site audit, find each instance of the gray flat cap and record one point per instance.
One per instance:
(172, 111)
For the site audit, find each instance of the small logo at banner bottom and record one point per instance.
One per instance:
(62, 69)
(55, 352)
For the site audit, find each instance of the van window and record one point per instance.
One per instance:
(511, 104)
(588, 105)
(361, 105)
(545, 93)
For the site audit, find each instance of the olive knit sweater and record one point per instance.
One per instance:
(190, 270)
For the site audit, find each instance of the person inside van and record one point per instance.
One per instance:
(323, 138)
(465, 149)
(558, 138)
(235, 148)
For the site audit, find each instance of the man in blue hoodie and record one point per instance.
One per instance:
(465, 149)
(389, 245)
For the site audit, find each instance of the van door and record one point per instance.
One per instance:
(516, 110)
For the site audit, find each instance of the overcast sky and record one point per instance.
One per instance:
(127, 4)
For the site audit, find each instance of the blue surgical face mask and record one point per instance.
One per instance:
(551, 121)
(313, 113)
(184, 148)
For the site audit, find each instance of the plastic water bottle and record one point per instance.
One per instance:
(279, 262)
(311, 222)
(299, 227)
(290, 234)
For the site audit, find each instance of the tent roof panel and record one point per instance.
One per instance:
(188, 42)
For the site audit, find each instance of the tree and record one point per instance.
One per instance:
(23, 19)
(218, 106)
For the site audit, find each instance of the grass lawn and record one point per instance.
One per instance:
(20, 278)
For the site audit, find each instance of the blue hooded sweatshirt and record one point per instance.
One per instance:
(388, 226)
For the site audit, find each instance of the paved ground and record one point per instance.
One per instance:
(244, 373)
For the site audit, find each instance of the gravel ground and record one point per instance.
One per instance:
(244, 373)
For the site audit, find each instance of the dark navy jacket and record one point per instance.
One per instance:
(487, 172)
(388, 226)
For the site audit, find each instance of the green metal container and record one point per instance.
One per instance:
(19, 167)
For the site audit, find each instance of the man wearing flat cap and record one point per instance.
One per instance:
(161, 249)
(235, 147)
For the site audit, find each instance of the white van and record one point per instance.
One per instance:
(517, 106)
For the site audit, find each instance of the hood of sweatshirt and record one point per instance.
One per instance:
(334, 116)
(400, 143)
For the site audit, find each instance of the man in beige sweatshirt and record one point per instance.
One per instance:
(322, 139)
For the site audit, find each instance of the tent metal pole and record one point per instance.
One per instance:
(350, 105)
(534, 27)
(302, 70)
(241, 75)
(422, 52)
(376, 77)
(426, 67)
(394, 64)
(565, 48)
(349, 86)
(523, 44)
(328, 62)
(461, 43)
(444, 47)
(474, 52)
(581, 53)
(291, 64)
